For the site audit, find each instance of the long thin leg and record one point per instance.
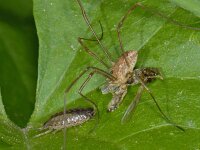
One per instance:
(131, 108)
(108, 55)
(86, 98)
(82, 87)
(151, 11)
(167, 18)
(92, 53)
(98, 38)
(89, 51)
(120, 24)
(100, 71)
(97, 70)
(166, 118)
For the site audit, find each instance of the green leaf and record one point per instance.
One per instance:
(3, 115)
(160, 44)
(10, 134)
(18, 67)
(192, 5)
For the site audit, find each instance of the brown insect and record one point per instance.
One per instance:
(73, 117)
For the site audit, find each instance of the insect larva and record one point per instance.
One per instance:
(73, 117)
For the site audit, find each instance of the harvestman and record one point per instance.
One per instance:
(121, 73)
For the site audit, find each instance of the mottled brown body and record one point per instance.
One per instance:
(126, 75)
(123, 71)
(120, 74)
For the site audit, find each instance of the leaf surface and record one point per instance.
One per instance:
(160, 44)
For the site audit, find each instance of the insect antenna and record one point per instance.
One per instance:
(46, 131)
(108, 55)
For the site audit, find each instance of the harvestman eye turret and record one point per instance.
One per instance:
(121, 73)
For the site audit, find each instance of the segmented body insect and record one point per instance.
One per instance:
(73, 117)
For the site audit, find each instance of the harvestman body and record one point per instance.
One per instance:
(121, 73)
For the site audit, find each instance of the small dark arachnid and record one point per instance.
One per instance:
(73, 117)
